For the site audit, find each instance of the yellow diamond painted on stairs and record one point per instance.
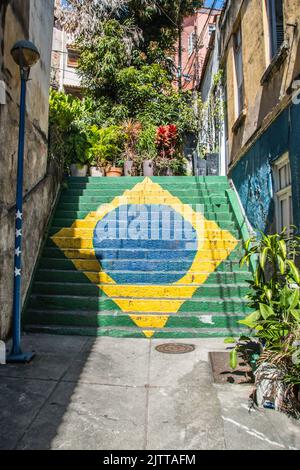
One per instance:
(147, 251)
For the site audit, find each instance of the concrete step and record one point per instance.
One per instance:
(203, 291)
(91, 208)
(90, 319)
(51, 250)
(140, 306)
(166, 184)
(117, 243)
(217, 213)
(137, 277)
(179, 192)
(123, 229)
(54, 275)
(59, 223)
(164, 333)
(133, 180)
(159, 200)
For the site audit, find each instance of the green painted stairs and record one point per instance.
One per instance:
(63, 300)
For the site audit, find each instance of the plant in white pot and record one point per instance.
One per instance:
(132, 130)
(146, 149)
(78, 152)
(96, 154)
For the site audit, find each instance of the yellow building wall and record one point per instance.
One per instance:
(262, 101)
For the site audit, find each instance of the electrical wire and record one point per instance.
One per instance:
(64, 70)
(199, 38)
(212, 8)
(163, 11)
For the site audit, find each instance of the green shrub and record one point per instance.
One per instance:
(106, 145)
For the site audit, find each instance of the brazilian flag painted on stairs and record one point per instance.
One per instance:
(141, 257)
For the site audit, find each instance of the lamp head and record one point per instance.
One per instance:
(25, 54)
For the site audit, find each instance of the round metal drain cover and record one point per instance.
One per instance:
(175, 348)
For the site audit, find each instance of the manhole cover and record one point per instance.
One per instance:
(175, 348)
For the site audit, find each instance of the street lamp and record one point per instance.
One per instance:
(25, 54)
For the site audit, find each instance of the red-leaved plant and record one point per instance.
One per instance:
(166, 140)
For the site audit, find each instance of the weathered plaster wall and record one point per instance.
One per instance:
(29, 19)
(260, 100)
(252, 175)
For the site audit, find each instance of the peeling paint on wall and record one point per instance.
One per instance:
(253, 174)
(24, 19)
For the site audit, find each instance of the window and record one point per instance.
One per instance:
(73, 57)
(283, 202)
(276, 25)
(191, 43)
(238, 62)
(211, 28)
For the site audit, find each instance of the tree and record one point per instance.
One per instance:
(101, 59)
(161, 20)
(143, 21)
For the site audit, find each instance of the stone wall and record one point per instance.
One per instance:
(24, 19)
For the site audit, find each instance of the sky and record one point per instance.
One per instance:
(208, 3)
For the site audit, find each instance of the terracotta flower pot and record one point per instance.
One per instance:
(114, 172)
(78, 170)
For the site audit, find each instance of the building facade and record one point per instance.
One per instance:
(33, 20)
(212, 142)
(195, 42)
(64, 60)
(260, 56)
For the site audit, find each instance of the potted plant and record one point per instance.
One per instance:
(110, 147)
(106, 149)
(147, 150)
(96, 168)
(132, 130)
(114, 139)
(96, 154)
(166, 141)
(275, 320)
(78, 156)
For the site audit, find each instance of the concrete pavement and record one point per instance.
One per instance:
(115, 394)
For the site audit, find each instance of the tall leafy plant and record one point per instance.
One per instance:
(106, 145)
(274, 292)
(67, 133)
(274, 295)
(131, 130)
(167, 140)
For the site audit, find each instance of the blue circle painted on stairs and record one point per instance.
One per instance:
(145, 244)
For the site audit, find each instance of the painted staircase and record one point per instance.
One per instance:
(136, 257)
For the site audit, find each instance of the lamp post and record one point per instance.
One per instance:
(25, 54)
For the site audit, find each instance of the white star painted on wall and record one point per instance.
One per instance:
(18, 233)
(18, 251)
(17, 272)
(19, 215)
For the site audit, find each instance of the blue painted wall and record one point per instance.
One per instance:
(253, 177)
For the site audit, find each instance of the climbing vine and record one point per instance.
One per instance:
(211, 117)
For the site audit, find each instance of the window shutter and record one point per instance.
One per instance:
(279, 34)
(275, 13)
